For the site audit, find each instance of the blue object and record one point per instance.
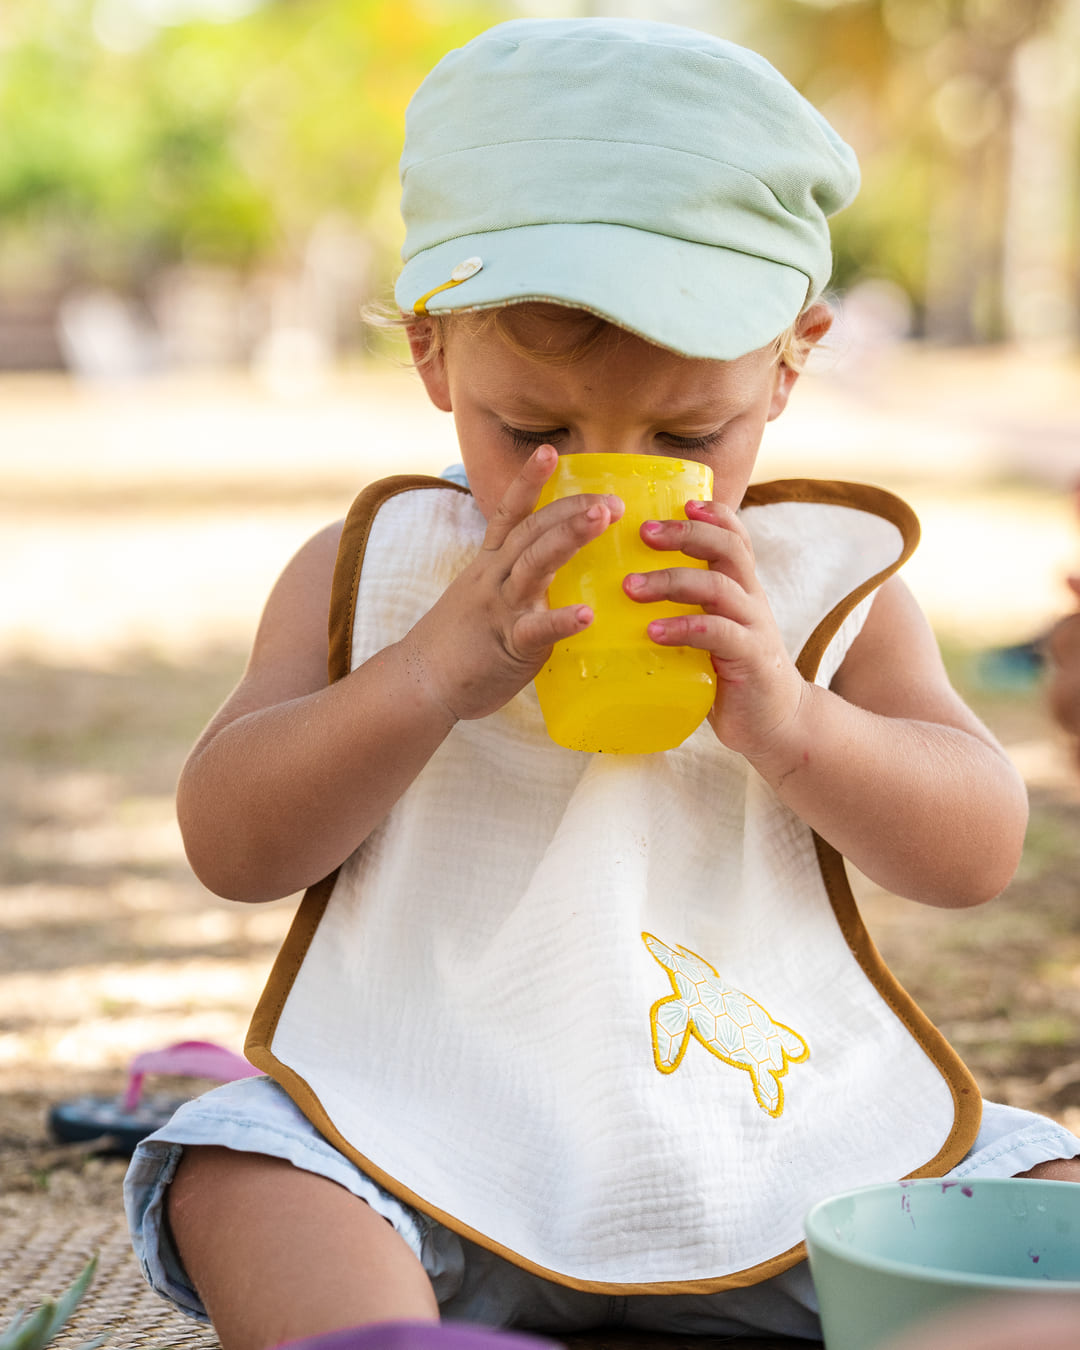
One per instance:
(886, 1257)
(1017, 668)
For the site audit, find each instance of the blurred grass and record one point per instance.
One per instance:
(131, 721)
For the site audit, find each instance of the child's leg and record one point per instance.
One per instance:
(1057, 1169)
(277, 1253)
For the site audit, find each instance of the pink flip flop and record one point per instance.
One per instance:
(126, 1119)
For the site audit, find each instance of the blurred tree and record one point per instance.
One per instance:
(966, 118)
(931, 94)
(1042, 227)
(137, 134)
(127, 143)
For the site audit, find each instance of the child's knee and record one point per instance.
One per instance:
(1055, 1169)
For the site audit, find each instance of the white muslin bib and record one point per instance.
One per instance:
(614, 1017)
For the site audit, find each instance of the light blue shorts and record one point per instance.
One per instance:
(472, 1284)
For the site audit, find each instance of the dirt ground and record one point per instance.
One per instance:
(139, 530)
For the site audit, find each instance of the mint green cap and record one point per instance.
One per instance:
(667, 180)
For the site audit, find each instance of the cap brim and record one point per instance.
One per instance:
(695, 299)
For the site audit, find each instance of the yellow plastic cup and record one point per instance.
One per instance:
(611, 689)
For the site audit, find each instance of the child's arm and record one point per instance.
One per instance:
(292, 774)
(1063, 649)
(889, 765)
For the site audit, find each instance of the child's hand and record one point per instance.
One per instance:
(491, 630)
(758, 688)
(1063, 647)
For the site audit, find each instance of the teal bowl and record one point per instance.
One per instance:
(885, 1257)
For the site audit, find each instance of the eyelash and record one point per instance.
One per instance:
(705, 442)
(529, 440)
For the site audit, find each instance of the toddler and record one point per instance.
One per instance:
(562, 1040)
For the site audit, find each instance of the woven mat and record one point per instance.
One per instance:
(39, 1261)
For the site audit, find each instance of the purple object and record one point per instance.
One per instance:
(419, 1336)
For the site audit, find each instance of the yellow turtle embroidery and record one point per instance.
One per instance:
(728, 1023)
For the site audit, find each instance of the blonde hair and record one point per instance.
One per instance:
(791, 348)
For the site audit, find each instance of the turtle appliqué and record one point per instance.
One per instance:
(728, 1023)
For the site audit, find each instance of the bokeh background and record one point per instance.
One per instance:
(207, 182)
(197, 200)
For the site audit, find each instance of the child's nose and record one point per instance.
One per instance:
(613, 440)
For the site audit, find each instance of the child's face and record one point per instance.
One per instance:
(621, 395)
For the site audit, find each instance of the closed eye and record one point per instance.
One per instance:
(705, 442)
(529, 440)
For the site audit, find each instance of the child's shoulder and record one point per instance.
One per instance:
(304, 587)
(316, 558)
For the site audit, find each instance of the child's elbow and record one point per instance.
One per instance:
(974, 886)
(226, 886)
(220, 876)
(993, 857)
(218, 858)
(980, 891)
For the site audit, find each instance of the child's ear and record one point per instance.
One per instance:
(429, 357)
(810, 327)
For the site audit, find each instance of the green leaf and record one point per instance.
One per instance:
(35, 1330)
(27, 1332)
(8, 1336)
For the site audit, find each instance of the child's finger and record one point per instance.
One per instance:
(538, 629)
(725, 638)
(716, 513)
(714, 591)
(554, 536)
(712, 534)
(520, 498)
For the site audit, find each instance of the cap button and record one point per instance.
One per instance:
(464, 270)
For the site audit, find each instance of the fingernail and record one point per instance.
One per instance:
(635, 581)
(652, 527)
(656, 630)
(595, 512)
